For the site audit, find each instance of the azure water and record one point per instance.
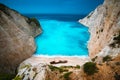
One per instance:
(62, 38)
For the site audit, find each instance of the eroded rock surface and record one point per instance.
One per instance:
(17, 34)
(32, 72)
(42, 71)
(104, 28)
(104, 43)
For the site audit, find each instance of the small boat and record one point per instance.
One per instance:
(58, 62)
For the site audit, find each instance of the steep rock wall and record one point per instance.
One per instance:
(17, 34)
(104, 28)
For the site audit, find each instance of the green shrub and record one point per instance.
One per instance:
(66, 75)
(6, 76)
(77, 66)
(90, 68)
(93, 59)
(107, 58)
(54, 68)
(66, 66)
(17, 78)
(34, 20)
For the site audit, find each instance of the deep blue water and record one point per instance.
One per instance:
(62, 37)
(64, 17)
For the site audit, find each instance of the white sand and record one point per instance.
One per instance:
(71, 61)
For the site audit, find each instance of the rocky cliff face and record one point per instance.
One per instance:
(17, 34)
(104, 28)
(104, 43)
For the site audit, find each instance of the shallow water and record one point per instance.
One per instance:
(63, 38)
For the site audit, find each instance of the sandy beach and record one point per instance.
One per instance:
(71, 61)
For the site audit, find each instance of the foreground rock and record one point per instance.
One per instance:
(17, 34)
(29, 70)
(42, 71)
(39, 68)
(104, 27)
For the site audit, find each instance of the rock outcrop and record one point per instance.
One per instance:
(43, 71)
(104, 43)
(104, 28)
(17, 34)
(32, 72)
(106, 71)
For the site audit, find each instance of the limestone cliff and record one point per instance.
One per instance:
(17, 34)
(104, 28)
(104, 43)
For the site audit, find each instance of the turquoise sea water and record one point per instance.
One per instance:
(62, 38)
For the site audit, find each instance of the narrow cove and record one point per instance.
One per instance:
(62, 38)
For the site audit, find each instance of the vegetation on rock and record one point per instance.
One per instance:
(63, 68)
(60, 69)
(34, 20)
(116, 43)
(90, 68)
(6, 76)
(77, 67)
(17, 78)
(66, 75)
(107, 58)
(93, 59)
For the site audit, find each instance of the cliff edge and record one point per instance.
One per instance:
(104, 28)
(17, 34)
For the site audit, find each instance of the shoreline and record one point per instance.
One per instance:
(52, 56)
(71, 60)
